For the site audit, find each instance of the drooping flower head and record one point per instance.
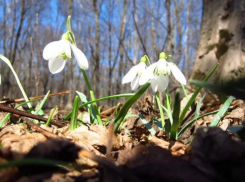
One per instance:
(135, 73)
(158, 74)
(58, 52)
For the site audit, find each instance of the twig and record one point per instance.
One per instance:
(38, 128)
(110, 139)
(36, 97)
(22, 113)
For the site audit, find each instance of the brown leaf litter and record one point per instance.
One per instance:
(95, 154)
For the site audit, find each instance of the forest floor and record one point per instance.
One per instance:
(93, 153)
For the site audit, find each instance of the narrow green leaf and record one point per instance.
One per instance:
(197, 112)
(51, 115)
(29, 101)
(147, 125)
(90, 109)
(122, 113)
(170, 122)
(222, 111)
(74, 114)
(7, 116)
(193, 120)
(176, 121)
(7, 61)
(41, 104)
(194, 95)
(33, 161)
(160, 109)
(68, 116)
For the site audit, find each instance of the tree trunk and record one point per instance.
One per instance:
(222, 40)
(96, 70)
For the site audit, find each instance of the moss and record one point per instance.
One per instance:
(222, 46)
(221, 49)
(225, 35)
(211, 47)
(198, 75)
(238, 73)
(224, 38)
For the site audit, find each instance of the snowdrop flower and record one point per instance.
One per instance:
(58, 52)
(158, 74)
(135, 73)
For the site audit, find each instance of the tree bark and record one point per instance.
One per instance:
(96, 70)
(222, 40)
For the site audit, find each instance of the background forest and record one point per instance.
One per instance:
(113, 34)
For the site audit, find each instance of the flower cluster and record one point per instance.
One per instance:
(157, 74)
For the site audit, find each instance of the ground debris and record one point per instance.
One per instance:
(217, 155)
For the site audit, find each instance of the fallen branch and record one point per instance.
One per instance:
(29, 115)
(38, 128)
(36, 97)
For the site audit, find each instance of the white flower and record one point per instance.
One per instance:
(58, 52)
(158, 74)
(134, 75)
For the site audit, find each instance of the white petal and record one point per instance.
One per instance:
(53, 50)
(148, 74)
(67, 48)
(162, 64)
(129, 77)
(154, 84)
(135, 83)
(80, 57)
(56, 65)
(162, 82)
(142, 67)
(177, 73)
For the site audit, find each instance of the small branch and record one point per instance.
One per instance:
(36, 97)
(22, 113)
(38, 128)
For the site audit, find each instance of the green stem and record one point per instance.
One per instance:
(183, 87)
(160, 109)
(92, 97)
(149, 62)
(168, 101)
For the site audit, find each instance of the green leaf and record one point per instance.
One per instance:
(194, 95)
(176, 121)
(39, 109)
(170, 122)
(90, 109)
(147, 125)
(7, 61)
(74, 114)
(33, 162)
(192, 121)
(51, 115)
(197, 112)
(222, 111)
(68, 116)
(122, 113)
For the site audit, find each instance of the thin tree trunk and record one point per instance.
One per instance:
(169, 43)
(121, 49)
(22, 17)
(96, 70)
